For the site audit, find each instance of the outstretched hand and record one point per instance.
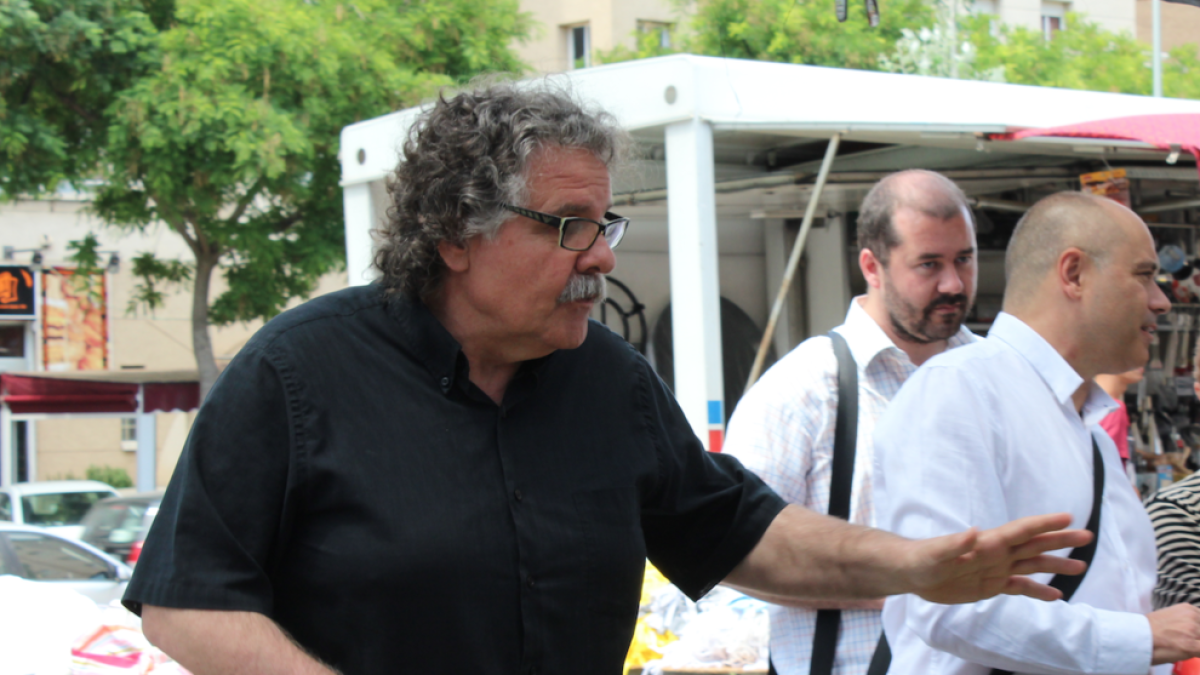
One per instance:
(974, 565)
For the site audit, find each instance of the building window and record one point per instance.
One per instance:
(129, 433)
(662, 29)
(12, 341)
(1053, 18)
(579, 47)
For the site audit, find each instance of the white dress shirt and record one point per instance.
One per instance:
(783, 429)
(980, 436)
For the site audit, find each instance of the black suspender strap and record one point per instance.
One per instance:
(1068, 584)
(845, 436)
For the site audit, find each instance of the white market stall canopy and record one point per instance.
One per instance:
(741, 142)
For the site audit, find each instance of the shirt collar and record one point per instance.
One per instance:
(868, 340)
(1050, 366)
(428, 340)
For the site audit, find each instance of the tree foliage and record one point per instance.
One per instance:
(61, 64)
(1083, 56)
(917, 36)
(788, 31)
(225, 126)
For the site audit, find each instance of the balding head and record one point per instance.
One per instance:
(924, 191)
(1094, 225)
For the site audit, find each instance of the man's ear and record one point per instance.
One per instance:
(1069, 272)
(454, 256)
(871, 268)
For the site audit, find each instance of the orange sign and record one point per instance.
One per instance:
(16, 293)
(1112, 184)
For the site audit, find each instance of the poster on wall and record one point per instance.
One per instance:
(16, 293)
(74, 321)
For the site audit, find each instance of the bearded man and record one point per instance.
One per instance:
(917, 254)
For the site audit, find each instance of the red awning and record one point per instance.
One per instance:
(77, 393)
(1167, 132)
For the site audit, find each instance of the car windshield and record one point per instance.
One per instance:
(63, 508)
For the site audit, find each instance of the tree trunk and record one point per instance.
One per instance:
(206, 362)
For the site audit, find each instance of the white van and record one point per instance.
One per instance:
(55, 505)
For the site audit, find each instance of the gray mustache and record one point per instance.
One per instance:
(584, 287)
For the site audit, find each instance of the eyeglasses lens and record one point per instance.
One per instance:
(615, 232)
(579, 234)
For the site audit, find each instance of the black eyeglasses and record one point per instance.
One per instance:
(578, 234)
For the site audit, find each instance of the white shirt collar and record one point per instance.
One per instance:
(868, 340)
(1051, 366)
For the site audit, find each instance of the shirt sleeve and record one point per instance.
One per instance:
(786, 416)
(1178, 538)
(706, 511)
(213, 541)
(938, 471)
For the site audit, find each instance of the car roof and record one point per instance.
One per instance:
(45, 487)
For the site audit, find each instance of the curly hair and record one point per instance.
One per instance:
(464, 157)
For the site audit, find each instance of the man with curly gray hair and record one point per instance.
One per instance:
(453, 470)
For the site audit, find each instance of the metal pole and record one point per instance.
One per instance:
(794, 260)
(1156, 58)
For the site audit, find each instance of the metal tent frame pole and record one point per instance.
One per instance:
(794, 259)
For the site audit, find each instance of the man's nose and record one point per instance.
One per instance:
(597, 259)
(1159, 302)
(951, 281)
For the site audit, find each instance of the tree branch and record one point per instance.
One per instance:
(285, 223)
(71, 103)
(244, 202)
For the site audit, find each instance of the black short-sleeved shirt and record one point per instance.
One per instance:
(346, 479)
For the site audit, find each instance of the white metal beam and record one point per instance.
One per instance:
(360, 219)
(695, 287)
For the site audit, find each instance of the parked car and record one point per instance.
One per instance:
(56, 505)
(118, 525)
(35, 554)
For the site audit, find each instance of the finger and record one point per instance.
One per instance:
(1049, 564)
(1052, 541)
(1028, 587)
(1024, 529)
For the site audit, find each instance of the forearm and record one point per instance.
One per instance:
(1024, 635)
(811, 558)
(209, 642)
(875, 604)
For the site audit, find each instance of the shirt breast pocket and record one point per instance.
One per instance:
(610, 521)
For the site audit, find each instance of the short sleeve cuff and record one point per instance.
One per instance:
(736, 546)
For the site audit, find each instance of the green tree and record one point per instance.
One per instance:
(788, 31)
(61, 64)
(230, 139)
(1084, 56)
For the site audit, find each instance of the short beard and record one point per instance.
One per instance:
(584, 287)
(917, 325)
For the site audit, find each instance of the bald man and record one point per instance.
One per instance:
(916, 241)
(1009, 426)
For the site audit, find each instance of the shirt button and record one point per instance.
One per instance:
(445, 382)
(517, 495)
(531, 583)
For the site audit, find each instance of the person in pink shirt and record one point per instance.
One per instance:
(1117, 421)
